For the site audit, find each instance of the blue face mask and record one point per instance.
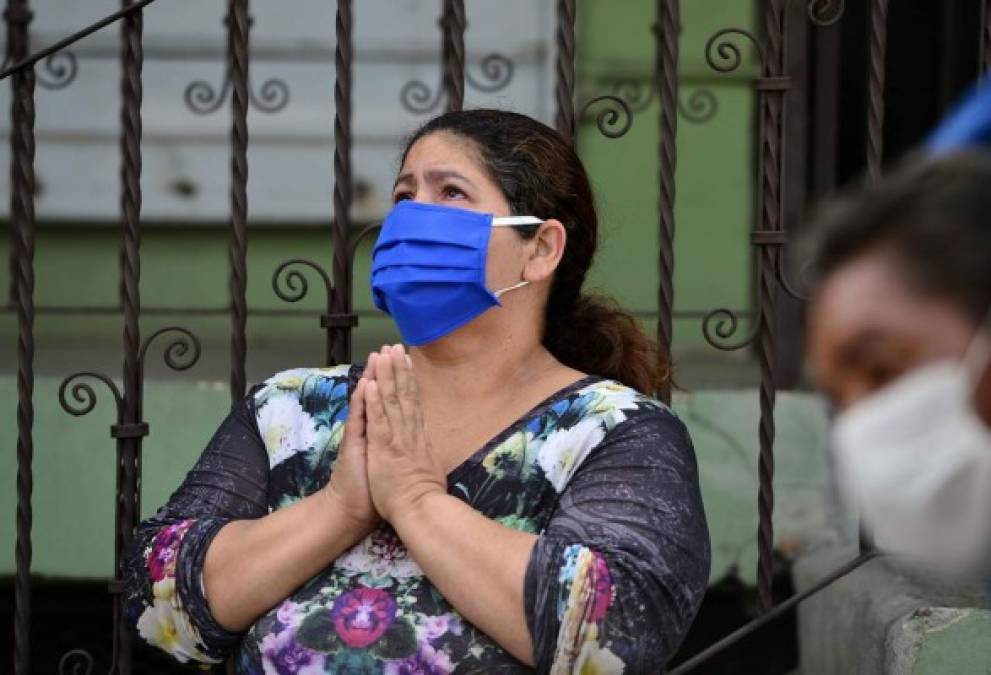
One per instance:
(428, 268)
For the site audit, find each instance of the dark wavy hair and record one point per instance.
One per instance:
(934, 215)
(540, 174)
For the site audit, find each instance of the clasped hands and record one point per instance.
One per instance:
(385, 466)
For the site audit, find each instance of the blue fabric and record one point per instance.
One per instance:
(428, 269)
(967, 125)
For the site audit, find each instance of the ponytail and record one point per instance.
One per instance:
(594, 335)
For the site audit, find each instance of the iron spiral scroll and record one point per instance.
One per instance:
(203, 98)
(57, 71)
(495, 74)
(700, 106)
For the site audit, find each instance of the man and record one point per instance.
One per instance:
(900, 339)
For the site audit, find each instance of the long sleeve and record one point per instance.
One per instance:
(618, 574)
(165, 596)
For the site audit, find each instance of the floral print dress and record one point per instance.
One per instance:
(605, 476)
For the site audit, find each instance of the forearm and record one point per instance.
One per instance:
(252, 565)
(477, 564)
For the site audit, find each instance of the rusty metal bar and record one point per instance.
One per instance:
(339, 337)
(22, 183)
(129, 445)
(237, 54)
(771, 88)
(666, 74)
(453, 25)
(876, 54)
(564, 120)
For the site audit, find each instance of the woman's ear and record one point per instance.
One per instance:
(547, 249)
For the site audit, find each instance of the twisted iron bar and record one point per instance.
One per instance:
(132, 58)
(564, 90)
(237, 53)
(666, 74)
(340, 302)
(79, 660)
(826, 12)
(614, 120)
(877, 53)
(203, 98)
(453, 25)
(724, 55)
(129, 446)
(175, 353)
(772, 88)
(22, 181)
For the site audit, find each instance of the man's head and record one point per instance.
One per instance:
(903, 277)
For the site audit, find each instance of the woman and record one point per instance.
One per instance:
(503, 495)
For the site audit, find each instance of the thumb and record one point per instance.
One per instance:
(354, 425)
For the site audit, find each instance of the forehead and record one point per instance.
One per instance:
(870, 296)
(442, 148)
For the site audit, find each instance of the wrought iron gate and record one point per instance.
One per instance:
(55, 67)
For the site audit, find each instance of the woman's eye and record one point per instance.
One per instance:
(451, 192)
(400, 197)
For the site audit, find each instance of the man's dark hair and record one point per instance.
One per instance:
(933, 214)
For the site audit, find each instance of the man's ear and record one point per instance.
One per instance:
(547, 249)
(982, 395)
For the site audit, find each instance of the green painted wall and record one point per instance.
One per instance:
(714, 176)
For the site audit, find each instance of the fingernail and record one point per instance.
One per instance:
(409, 361)
(399, 348)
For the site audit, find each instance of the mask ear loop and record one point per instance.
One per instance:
(520, 284)
(514, 221)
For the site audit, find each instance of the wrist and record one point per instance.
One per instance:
(418, 508)
(342, 518)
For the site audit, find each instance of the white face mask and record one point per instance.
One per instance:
(916, 458)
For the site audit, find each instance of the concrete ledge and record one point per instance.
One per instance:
(888, 618)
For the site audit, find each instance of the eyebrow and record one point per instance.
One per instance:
(861, 345)
(434, 176)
